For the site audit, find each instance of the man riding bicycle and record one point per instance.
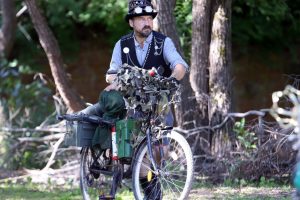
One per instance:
(145, 49)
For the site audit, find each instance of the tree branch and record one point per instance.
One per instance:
(55, 147)
(43, 139)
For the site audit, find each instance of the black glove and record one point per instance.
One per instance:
(172, 83)
(173, 80)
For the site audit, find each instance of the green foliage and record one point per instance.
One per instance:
(110, 13)
(183, 13)
(23, 100)
(21, 156)
(263, 182)
(272, 23)
(71, 18)
(62, 14)
(246, 139)
(61, 17)
(236, 182)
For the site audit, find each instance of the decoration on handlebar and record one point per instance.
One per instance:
(145, 89)
(152, 72)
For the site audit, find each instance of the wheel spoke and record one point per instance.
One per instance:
(91, 183)
(173, 193)
(173, 188)
(173, 159)
(172, 163)
(177, 174)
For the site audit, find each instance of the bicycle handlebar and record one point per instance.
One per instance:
(85, 118)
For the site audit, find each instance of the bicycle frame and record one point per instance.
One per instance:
(114, 143)
(117, 171)
(149, 147)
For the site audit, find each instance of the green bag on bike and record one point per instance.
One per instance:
(126, 130)
(113, 107)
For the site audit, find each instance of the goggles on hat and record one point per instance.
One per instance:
(139, 10)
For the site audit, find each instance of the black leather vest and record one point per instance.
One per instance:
(154, 56)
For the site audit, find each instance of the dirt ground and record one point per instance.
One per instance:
(241, 193)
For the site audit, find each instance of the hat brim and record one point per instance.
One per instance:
(130, 16)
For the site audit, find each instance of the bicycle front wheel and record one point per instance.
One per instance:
(174, 176)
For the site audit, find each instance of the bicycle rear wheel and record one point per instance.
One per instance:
(93, 184)
(173, 179)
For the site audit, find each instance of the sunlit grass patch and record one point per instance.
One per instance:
(31, 191)
(26, 191)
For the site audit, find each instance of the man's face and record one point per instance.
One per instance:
(142, 25)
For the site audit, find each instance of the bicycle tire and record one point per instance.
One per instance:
(177, 155)
(91, 185)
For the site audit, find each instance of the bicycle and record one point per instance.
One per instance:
(289, 118)
(158, 159)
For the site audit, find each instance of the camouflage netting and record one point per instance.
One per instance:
(145, 88)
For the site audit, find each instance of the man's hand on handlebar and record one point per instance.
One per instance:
(113, 86)
(173, 80)
(111, 79)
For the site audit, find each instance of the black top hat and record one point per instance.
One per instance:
(140, 8)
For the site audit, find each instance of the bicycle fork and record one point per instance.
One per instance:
(150, 151)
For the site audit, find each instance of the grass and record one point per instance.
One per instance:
(18, 191)
(242, 190)
(30, 191)
(44, 192)
(243, 193)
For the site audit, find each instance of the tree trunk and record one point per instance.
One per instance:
(199, 74)
(210, 64)
(51, 48)
(200, 52)
(185, 112)
(219, 74)
(155, 21)
(167, 21)
(8, 29)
